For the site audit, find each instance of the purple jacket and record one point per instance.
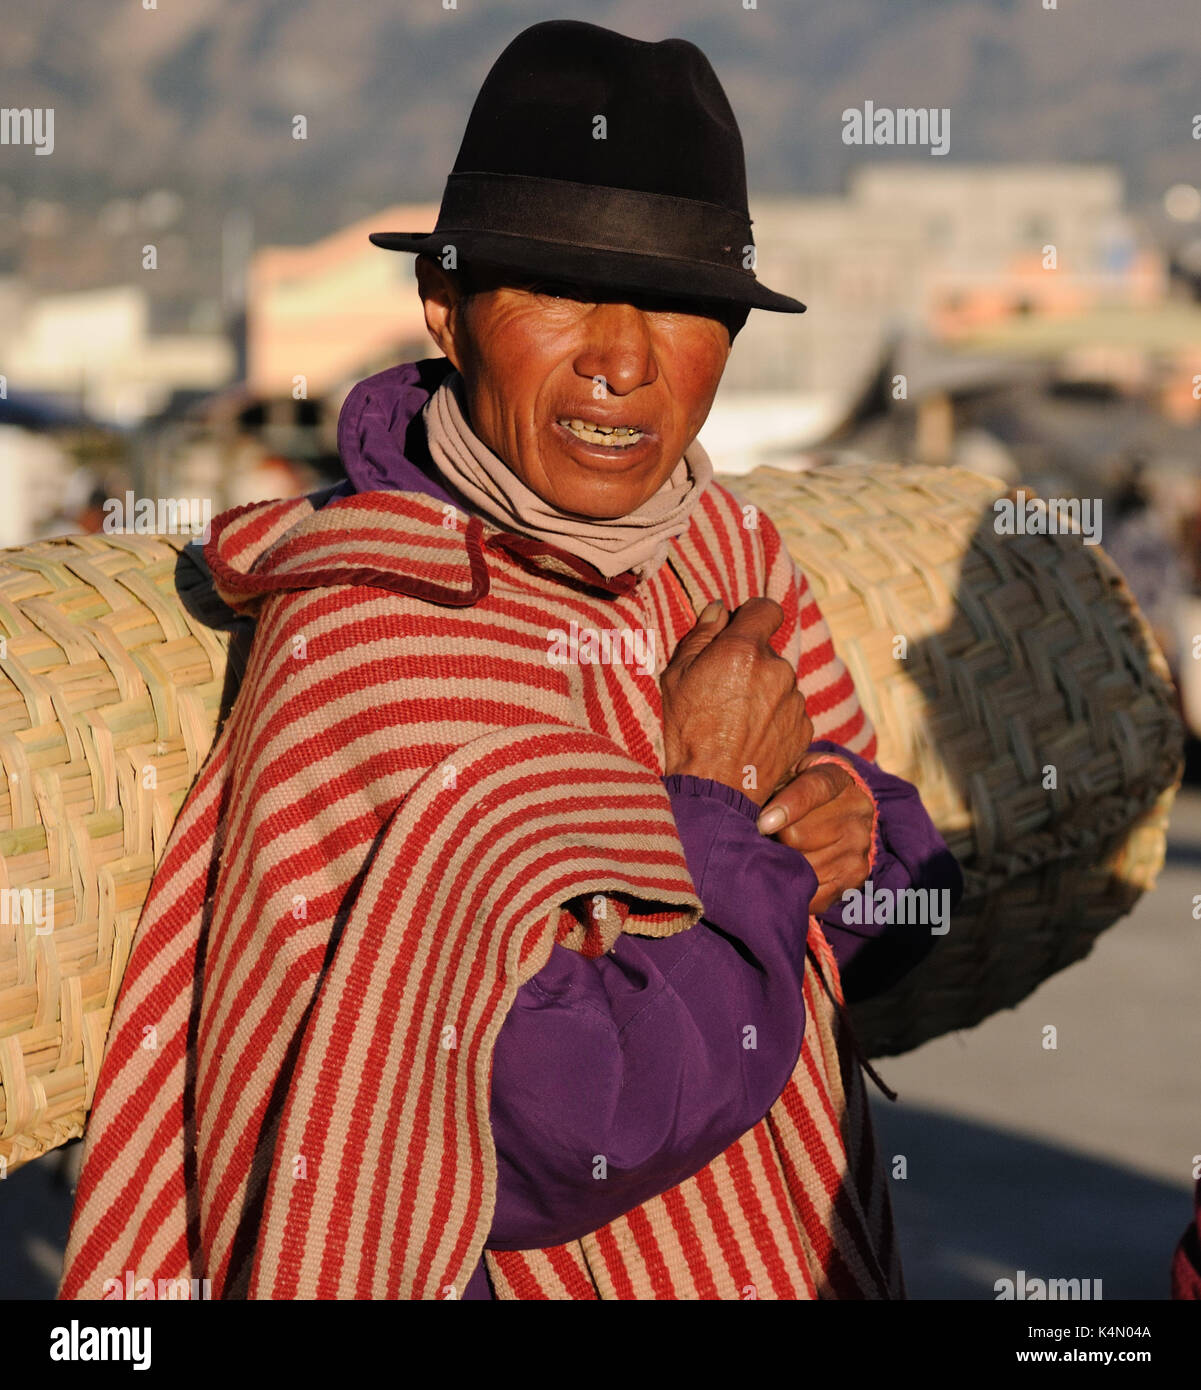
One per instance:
(639, 1055)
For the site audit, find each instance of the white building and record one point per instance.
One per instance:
(96, 348)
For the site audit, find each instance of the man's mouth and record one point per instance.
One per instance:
(610, 436)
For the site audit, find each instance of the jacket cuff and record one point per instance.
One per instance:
(684, 784)
(733, 866)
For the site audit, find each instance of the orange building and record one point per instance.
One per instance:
(321, 315)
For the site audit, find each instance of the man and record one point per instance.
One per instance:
(475, 969)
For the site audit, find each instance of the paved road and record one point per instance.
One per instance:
(1066, 1164)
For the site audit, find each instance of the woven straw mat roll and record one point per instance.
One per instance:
(110, 693)
(986, 660)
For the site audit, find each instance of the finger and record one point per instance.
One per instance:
(837, 836)
(757, 618)
(846, 819)
(832, 886)
(812, 788)
(711, 620)
(848, 802)
(794, 769)
(810, 756)
(713, 612)
(846, 867)
(847, 864)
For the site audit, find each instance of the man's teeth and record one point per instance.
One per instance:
(615, 436)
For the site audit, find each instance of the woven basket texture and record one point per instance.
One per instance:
(1019, 652)
(984, 660)
(110, 695)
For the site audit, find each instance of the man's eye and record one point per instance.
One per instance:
(556, 289)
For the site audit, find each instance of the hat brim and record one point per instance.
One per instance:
(604, 269)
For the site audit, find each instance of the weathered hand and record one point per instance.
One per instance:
(730, 702)
(823, 813)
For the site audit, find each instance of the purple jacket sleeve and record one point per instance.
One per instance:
(642, 1058)
(615, 1079)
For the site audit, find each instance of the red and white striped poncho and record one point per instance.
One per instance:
(407, 807)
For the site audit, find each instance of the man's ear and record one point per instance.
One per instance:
(441, 298)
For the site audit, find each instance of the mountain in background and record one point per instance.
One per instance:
(199, 97)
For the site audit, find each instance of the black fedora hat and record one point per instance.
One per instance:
(606, 161)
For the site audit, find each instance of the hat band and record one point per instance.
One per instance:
(591, 215)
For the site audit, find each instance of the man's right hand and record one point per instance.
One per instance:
(730, 702)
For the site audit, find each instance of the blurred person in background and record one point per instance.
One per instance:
(1142, 547)
(80, 507)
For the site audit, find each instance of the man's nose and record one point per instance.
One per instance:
(617, 347)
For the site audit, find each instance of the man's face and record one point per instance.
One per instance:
(590, 404)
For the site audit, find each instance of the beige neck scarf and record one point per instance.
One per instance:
(636, 542)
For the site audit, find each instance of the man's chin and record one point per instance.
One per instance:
(599, 496)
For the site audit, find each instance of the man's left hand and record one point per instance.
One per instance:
(828, 818)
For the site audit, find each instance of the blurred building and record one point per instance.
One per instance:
(100, 350)
(989, 269)
(935, 252)
(35, 471)
(321, 316)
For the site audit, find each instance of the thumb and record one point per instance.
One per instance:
(813, 786)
